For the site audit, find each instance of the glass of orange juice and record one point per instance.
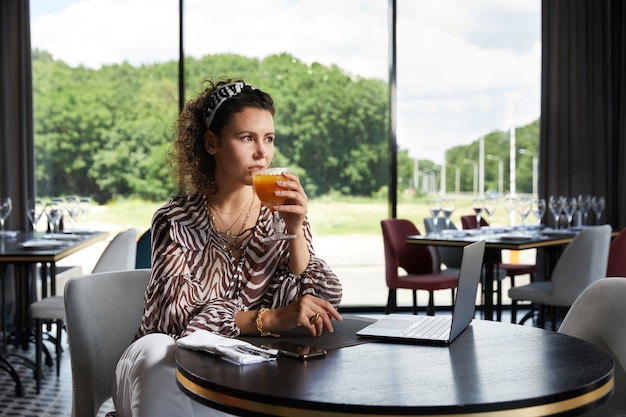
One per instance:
(264, 182)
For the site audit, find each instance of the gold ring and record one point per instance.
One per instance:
(314, 318)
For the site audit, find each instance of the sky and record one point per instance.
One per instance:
(464, 67)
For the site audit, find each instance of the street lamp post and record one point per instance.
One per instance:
(457, 177)
(442, 179)
(500, 172)
(535, 169)
(429, 181)
(475, 176)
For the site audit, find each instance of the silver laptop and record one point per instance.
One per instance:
(437, 329)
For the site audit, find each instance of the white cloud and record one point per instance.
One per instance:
(97, 32)
(355, 42)
(461, 64)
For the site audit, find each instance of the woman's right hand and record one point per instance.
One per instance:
(309, 311)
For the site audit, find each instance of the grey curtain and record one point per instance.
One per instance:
(583, 102)
(17, 165)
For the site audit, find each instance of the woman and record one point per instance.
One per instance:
(210, 268)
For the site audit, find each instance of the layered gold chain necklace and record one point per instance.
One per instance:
(230, 241)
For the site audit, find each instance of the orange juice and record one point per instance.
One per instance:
(264, 182)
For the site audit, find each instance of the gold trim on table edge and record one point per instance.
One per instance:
(537, 410)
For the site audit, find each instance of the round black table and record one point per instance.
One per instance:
(492, 369)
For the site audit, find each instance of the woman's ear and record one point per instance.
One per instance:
(210, 142)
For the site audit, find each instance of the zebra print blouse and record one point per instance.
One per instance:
(196, 284)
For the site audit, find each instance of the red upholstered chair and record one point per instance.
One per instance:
(469, 222)
(617, 256)
(420, 263)
(511, 270)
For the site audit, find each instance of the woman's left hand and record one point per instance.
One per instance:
(309, 311)
(294, 210)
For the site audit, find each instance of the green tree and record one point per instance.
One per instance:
(107, 132)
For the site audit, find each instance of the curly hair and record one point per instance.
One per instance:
(193, 166)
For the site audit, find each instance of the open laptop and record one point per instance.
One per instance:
(437, 329)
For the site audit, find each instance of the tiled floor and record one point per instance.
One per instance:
(55, 398)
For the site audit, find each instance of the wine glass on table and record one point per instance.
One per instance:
(491, 203)
(523, 208)
(447, 207)
(509, 206)
(584, 205)
(6, 206)
(434, 206)
(85, 205)
(72, 206)
(54, 213)
(555, 203)
(34, 210)
(264, 182)
(539, 209)
(477, 206)
(569, 208)
(61, 204)
(597, 204)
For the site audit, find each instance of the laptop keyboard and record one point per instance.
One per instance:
(429, 328)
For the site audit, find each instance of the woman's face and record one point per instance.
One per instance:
(245, 145)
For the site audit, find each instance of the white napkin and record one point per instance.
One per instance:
(42, 243)
(232, 350)
(9, 233)
(61, 236)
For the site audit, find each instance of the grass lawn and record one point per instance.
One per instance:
(339, 217)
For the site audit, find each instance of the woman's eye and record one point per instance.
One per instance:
(269, 139)
(246, 138)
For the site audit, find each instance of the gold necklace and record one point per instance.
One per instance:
(228, 231)
(231, 242)
(229, 212)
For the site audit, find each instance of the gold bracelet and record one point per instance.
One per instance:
(259, 323)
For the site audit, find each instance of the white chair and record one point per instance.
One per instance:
(596, 316)
(119, 255)
(582, 262)
(103, 314)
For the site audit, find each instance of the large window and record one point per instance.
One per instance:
(106, 94)
(468, 89)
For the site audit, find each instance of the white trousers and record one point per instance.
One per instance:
(145, 382)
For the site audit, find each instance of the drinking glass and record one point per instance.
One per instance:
(54, 212)
(72, 207)
(61, 204)
(569, 208)
(523, 208)
(447, 207)
(597, 204)
(509, 206)
(85, 205)
(539, 209)
(34, 210)
(6, 206)
(584, 205)
(555, 203)
(477, 206)
(491, 203)
(434, 206)
(264, 182)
